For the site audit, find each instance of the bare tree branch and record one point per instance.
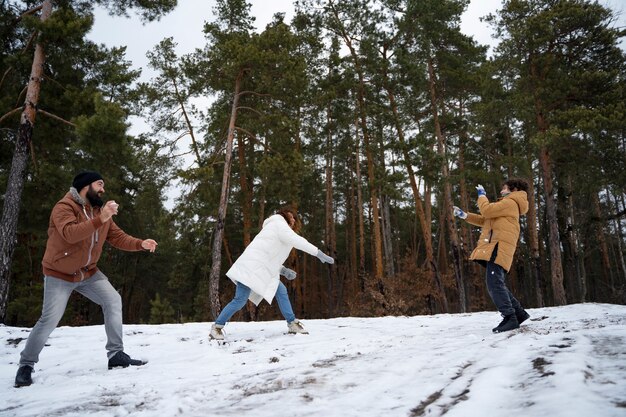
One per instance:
(254, 93)
(5, 75)
(19, 98)
(54, 81)
(30, 11)
(9, 114)
(254, 138)
(29, 42)
(251, 109)
(52, 116)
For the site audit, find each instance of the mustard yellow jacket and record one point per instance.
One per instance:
(500, 226)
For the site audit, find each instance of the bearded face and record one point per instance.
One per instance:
(94, 197)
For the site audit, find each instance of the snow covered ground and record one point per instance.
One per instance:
(565, 361)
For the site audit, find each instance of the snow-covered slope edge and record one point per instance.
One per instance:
(565, 361)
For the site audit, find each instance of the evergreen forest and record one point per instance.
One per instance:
(372, 117)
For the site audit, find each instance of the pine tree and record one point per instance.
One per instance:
(565, 58)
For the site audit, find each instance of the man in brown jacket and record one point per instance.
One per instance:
(497, 243)
(79, 224)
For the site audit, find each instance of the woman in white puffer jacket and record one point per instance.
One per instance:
(256, 273)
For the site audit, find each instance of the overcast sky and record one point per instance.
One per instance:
(186, 22)
(185, 25)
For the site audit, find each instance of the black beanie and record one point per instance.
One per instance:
(85, 178)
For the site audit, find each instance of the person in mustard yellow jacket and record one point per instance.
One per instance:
(500, 229)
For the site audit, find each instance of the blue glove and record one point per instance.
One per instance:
(324, 258)
(459, 213)
(290, 274)
(480, 190)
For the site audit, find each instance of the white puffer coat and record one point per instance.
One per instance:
(258, 267)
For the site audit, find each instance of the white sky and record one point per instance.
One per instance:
(186, 22)
(185, 25)
(564, 362)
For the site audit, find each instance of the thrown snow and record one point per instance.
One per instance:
(565, 361)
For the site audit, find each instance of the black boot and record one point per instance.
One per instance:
(122, 360)
(521, 315)
(23, 378)
(508, 323)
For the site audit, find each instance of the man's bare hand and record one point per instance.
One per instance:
(149, 244)
(108, 210)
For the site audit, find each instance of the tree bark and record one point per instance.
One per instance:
(556, 265)
(352, 198)
(246, 192)
(447, 191)
(19, 166)
(534, 243)
(387, 237)
(620, 251)
(574, 245)
(246, 211)
(360, 207)
(545, 162)
(330, 220)
(377, 255)
(216, 259)
(607, 276)
(431, 265)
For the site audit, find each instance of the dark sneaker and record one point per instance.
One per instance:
(23, 378)
(122, 360)
(508, 323)
(522, 316)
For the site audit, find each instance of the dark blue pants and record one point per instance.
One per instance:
(504, 300)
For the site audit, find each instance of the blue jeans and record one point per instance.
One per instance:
(241, 297)
(55, 295)
(500, 295)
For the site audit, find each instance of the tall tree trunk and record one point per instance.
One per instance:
(352, 237)
(385, 206)
(534, 242)
(431, 265)
(377, 255)
(360, 208)
(262, 189)
(570, 277)
(330, 219)
(246, 210)
(447, 191)
(216, 259)
(470, 279)
(620, 243)
(602, 244)
(246, 192)
(545, 161)
(574, 244)
(556, 265)
(19, 166)
(387, 237)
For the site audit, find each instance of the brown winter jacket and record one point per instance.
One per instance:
(75, 239)
(500, 227)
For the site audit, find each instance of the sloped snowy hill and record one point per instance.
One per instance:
(566, 361)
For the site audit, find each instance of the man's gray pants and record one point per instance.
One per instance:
(56, 293)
